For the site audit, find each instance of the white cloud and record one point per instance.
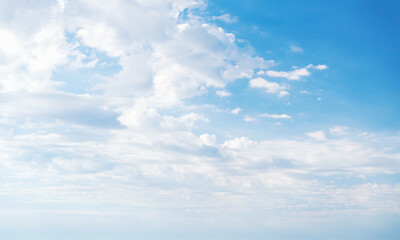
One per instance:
(207, 139)
(297, 73)
(30, 49)
(131, 137)
(223, 93)
(225, 18)
(346, 155)
(236, 110)
(283, 93)
(319, 135)
(239, 143)
(321, 67)
(186, 120)
(296, 49)
(276, 116)
(270, 87)
(250, 119)
(78, 165)
(338, 130)
(292, 75)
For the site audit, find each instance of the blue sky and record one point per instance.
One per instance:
(185, 119)
(356, 39)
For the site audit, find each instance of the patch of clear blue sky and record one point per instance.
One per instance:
(358, 40)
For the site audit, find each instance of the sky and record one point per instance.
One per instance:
(194, 119)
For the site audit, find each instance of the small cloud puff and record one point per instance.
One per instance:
(283, 93)
(227, 18)
(292, 75)
(296, 49)
(270, 87)
(239, 143)
(236, 110)
(209, 140)
(338, 130)
(297, 73)
(276, 116)
(223, 93)
(321, 67)
(319, 135)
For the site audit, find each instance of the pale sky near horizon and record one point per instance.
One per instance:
(192, 119)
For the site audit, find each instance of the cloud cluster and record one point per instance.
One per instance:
(123, 132)
(270, 87)
(296, 74)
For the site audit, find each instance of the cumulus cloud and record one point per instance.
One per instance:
(250, 119)
(223, 93)
(208, 139)
(292, 75)
(321, 67)
(130, 135)
(296, 49)
(338, 130)
(296, 74)
(276, 116)
(343, 154)
(283, 93)
(236, 110)
(270, 87)
(319, 135)
(186, 120)
(225, 18)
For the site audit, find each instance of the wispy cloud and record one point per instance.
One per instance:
(295, 74)
(124, 105)
(270, 87)
(250, 119)
(276, 116)
(319, 135)
(223, 93)
(296, 49)
(225, 18)
(236, 110)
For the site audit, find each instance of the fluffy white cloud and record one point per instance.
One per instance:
(292, 75)
(320, 67)
(296, 74)
(236, 110)
(225, 18)
(319, 135)
(283, 93)
(339, 154)
(223, 93)
(338, 130)
(296, 49)
(276, 116)
(250, 119)
(270, 87)
(130, 138)
(31, 48)
(208, 139)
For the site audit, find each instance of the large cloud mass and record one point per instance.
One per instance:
(94, 107)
